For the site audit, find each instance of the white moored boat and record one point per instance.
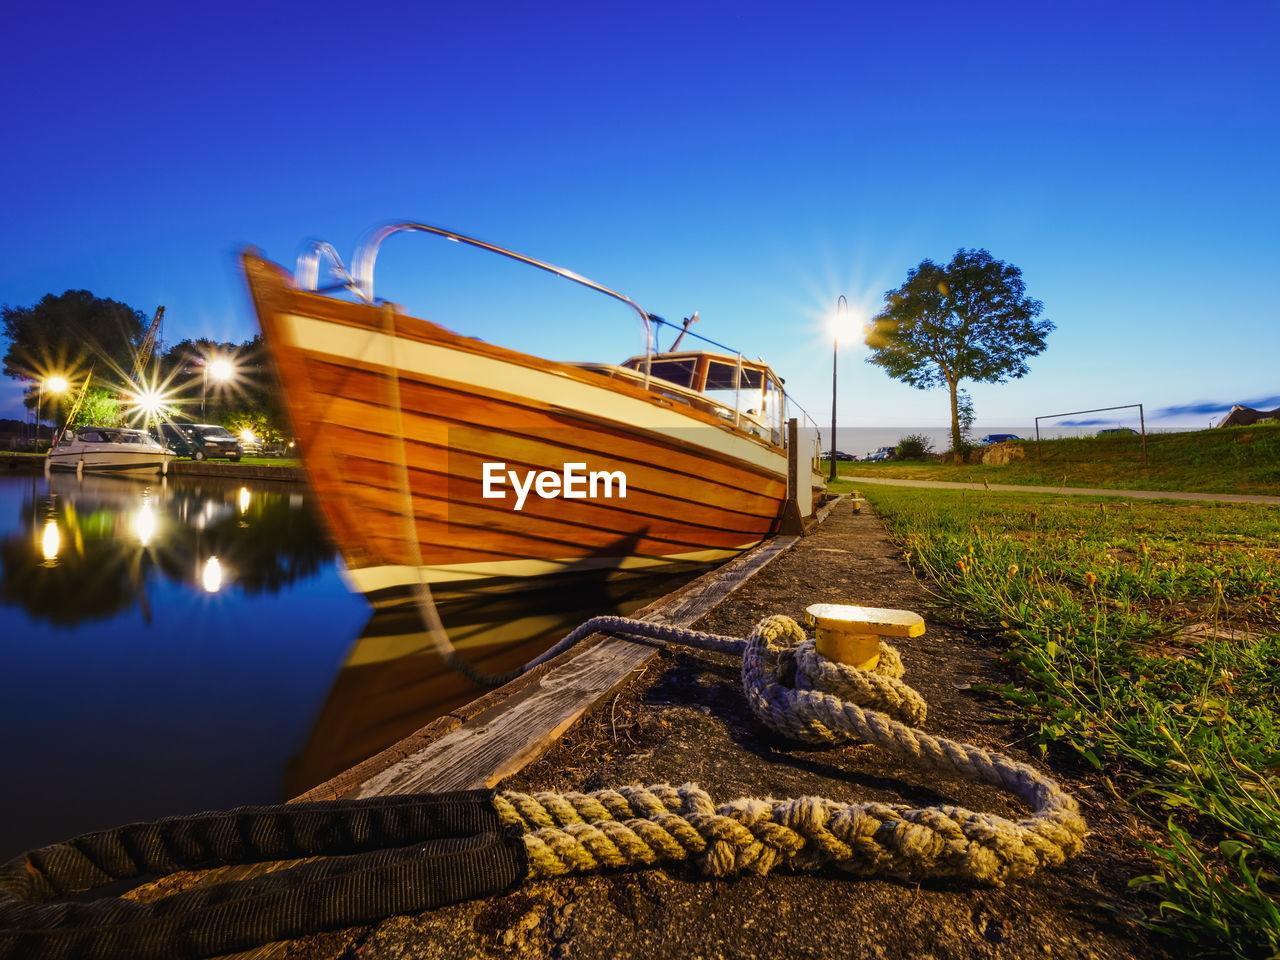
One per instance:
(114, 449)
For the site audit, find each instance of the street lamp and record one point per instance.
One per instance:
(835, 344)
(56, 385)
(221, 370)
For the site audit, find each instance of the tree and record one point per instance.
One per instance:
(68, 335)
(968, 320)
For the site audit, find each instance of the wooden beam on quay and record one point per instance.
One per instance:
(527, 718)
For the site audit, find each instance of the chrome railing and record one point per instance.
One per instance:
(360, 279)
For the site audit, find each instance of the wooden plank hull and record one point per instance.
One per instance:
(397, 418)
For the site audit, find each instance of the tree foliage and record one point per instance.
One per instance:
(252, 392)
(100, 408)
(966, 415)
(71, 334)
(67, 335)
(968, 320)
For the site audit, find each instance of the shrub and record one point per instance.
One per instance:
(915, 446)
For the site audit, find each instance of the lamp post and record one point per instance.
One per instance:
(56, 385)
(835, 345)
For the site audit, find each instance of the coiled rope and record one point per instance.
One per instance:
(800, 694)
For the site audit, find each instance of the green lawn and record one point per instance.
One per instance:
(272, 461)
(1144, 637)
(1230, 460)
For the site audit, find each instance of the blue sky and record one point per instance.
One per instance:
(750, 161)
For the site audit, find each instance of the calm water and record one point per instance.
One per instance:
(183, 645)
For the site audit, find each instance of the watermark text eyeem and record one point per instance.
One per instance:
(572, 483)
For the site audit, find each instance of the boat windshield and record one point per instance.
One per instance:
(112, 435)
(744, 391)
(218, 433)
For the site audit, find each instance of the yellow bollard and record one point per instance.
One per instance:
(852, 634)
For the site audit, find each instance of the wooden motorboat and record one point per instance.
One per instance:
(110, 449)
(438, 457)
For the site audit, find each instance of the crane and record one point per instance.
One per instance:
(147, 346)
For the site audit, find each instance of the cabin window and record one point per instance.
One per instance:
(720, 376)
(682, 371)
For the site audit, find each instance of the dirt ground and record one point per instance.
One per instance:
(685, 718)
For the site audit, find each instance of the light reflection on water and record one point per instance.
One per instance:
(185, 644)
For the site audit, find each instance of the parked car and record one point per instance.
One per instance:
(882, 453)
(250, 445)
(1118, 432)
(200, 441)
(991, 438)
(840, 455)
(280, 448)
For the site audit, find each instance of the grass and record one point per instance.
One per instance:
(1230, 460)
(272, 461)
(1145, 639)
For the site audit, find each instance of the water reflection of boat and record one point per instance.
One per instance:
(393, 681)
(110, 449)
(120, 493)
(409, 432)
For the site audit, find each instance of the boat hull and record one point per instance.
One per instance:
(397, 419)
(109, 461)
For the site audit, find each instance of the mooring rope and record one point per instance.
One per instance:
(799, 693)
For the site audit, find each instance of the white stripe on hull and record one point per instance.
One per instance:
(487, 375)
(108, 461)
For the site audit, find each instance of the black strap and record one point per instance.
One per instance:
(387, 855)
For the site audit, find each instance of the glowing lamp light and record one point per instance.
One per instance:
(50, 540)
(244, 499)
(144, 524)
(151, 403)
(211, 575)
(56, 384)
(247, 435)
(220, 370)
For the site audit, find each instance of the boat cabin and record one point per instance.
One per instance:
(111, 435)
(746, 393)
